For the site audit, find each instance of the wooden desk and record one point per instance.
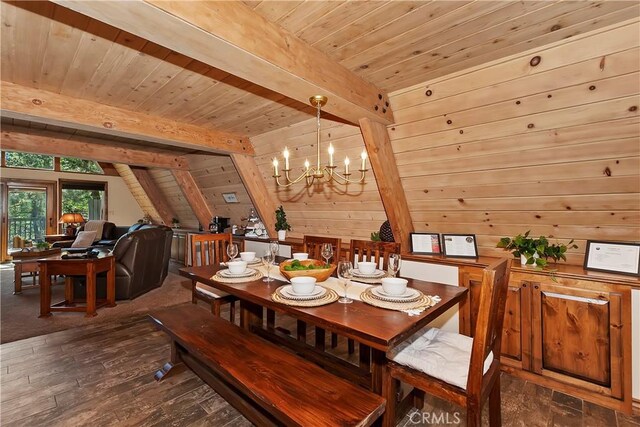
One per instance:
(377, 328)
(27, 262)
(87, 267)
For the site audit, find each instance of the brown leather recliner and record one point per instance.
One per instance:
(142, 262)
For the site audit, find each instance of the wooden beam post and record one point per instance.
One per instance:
(57, 146)
(157, 198)
(138, 193)
(25, 103)
(262, 52)
(194, 196)
(383, 163)
(257, 189)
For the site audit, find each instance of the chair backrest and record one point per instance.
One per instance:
(313, 246)
(488, 333)
(378, 252)
(209, 249)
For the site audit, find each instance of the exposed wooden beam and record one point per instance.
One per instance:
(20, 102)
(157, 198)
(194, 196)
(137, 192)
(232, 37)
(394, 200)
(108, 169)
(258, 192)
(54, 146)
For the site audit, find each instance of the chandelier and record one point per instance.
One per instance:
(319, 172)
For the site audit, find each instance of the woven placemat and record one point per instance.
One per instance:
(255, 276)
(418, 296)
(424, 302)
(329, 297)
(368, 280)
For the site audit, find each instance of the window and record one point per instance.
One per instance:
(71, 164)
(28, 160)
(86, 197)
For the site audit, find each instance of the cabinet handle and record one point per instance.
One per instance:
(524, 285)
(536, 287)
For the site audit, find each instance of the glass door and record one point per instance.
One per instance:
(27, 212)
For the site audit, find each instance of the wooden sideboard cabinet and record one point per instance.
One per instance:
(565, 332)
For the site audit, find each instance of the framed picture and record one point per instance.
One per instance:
(425, 243)
(230, 197)
(613, 257)
(459, 245)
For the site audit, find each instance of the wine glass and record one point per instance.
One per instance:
(274, 247)
(267, 259)
(395, 260)
(326, 252)
(232, 251)
(344, 273)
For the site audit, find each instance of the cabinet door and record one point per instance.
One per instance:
(577, 336)
(516, 329)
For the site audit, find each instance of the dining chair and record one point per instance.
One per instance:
(378, 252)
(210, 249)
(455, 367)
(313, 246)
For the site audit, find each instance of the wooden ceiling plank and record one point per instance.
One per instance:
(194, 196)
(32, 104)
(274, 10)
(259, 194)
(479, 56)
(157, 198)
(262, 52)
(40, 144)
(394, 200)
(311, 11)
(8, 57)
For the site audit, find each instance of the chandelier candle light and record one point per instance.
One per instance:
(328, 172)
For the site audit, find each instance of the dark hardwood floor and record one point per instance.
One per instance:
(102, 375)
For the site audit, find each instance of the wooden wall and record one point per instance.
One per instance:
(138, 193)
(320, 210)
(511, 146)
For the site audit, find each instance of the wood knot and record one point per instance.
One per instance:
(556, 27)
(592, 87)
(386, 103)
(530, 125)
(461, 200)
(380, 96)
(633, 108)
(449, 122)
(607, 171)
(428, 93)
(36, 101)
(364, 67)
(518, 103)
(461, 131)
(108, 125)
(376, 108)
(538, 216)
(535, 61)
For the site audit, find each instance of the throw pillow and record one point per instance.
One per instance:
(84, 239)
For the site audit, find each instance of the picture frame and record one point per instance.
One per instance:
(613, 257)
(425, 243)
(459, 245)
(230, 197)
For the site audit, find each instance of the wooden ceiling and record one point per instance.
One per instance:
(392, 44)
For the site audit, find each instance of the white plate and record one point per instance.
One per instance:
(408, 293)
(287, 292)
(375, 275)
(226, 273)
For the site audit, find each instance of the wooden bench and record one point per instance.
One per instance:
(266, 383)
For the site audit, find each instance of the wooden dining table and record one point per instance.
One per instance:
(378, 328)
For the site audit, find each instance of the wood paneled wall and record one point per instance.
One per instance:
(216, 175)
(321, 210)
(168, 185)
(547, 141)
(137, 192)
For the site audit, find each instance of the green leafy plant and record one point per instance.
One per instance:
(375, 236)
(43, 245)
(281, 220)
(523, 245)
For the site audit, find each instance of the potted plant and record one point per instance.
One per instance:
(535, 250)
(282, 226)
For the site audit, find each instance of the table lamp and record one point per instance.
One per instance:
(71, 219)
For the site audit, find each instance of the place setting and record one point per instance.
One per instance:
(304, 292)
(367, 272)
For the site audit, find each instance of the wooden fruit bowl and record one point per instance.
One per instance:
(320, 274)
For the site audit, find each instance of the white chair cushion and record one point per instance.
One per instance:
(440, 354)
(210, 291)
(84, 239)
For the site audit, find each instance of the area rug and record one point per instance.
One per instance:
(19, 313)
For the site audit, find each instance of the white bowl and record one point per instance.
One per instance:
(367, 267)
(300, 256)
(303, 285)
(247, 256)
(237, 267)
(394, 285)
